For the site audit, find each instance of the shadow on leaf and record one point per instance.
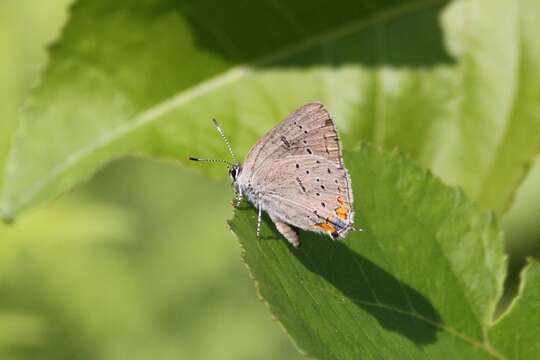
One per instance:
(313, 33)
(396, 306)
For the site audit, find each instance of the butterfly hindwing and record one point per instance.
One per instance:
(308, 192)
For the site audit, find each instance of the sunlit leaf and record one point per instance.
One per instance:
(22, 56)
(421, 280)
(149, 77)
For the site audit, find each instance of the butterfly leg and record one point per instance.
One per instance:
(259, 218)
(239, 197)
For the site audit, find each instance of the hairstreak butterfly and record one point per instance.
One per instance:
(296, 174)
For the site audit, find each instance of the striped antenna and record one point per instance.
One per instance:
(212, 161)
(220, 131)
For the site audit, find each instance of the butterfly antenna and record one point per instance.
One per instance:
(212, 161)
(220, 131)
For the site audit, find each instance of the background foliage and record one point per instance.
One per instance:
(454, 85)
(110, 271)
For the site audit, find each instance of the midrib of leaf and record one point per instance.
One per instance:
(448, 329)
(453, 271)
(481, 192)
(514, 102)
(485, 346)
(484, 194)
(482, 342)
(205, 87)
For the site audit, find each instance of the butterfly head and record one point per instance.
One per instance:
(234, 171)
(234, 166)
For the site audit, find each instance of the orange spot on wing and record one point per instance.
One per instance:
(342, 213)
(329, 228)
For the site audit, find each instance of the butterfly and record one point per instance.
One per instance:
(296, 174)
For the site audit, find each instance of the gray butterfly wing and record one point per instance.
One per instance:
(307, 191)
(307, 131)
(288, 231)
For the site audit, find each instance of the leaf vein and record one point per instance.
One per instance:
(207, 86)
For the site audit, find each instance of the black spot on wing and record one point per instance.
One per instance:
(301, 184)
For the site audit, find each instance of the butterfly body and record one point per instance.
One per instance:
(296, 174)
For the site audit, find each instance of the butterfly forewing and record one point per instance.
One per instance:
(308, 131)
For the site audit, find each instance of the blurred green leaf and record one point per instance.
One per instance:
(476, 124)
(500, 106)
(51, 265)
(421, 280)
(516, 334)
(521, 222)
(22, 56)
(522, 232)
(147, 78)
(74, 282)
(108, 272)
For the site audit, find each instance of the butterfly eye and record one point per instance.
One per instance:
(233, 173)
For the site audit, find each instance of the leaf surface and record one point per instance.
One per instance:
(420, 281)
(22, 56)
(148, 77)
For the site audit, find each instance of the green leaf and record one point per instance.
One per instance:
(22, 56)
(516, 333)
(147, 78)
(163, 294)
(490, 146)
(475, 124)
(420, 281)
(518, 148)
